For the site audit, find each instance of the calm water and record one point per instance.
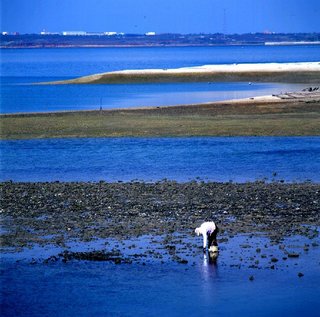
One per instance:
(168, 289)
(25, 66)
(150, 159)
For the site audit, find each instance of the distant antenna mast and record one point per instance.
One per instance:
(224, 27)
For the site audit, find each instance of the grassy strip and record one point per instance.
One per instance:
(163, 77)
(216, 119)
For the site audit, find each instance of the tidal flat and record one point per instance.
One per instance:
(56, 213)
(130, 248)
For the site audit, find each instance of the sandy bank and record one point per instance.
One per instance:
(307, 72)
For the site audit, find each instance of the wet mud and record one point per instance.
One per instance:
(162, 216)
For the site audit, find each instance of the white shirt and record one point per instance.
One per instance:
(206, 229)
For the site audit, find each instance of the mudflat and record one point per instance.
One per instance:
(55, 213)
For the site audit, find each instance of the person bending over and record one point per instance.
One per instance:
(209, 231)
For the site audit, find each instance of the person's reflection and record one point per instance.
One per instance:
(213, 257)
(209, 267)
(210, 258)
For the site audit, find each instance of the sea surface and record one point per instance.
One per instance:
(22, 67)
(32, 288)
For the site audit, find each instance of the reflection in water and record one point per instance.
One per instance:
(209, 272)
(80, 288)
(210, 265)
(213, 257)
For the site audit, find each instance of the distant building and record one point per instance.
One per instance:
(44, 32)
(150, 33)
(110, 33)
(5, 33)
(74, 33)
(94, 33)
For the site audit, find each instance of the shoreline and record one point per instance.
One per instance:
(300, 72)
(250, 100)
(156, 45)
(284, 99)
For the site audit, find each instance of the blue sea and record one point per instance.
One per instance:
(22, 67)
(169, 289)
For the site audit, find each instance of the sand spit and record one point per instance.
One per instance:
(306, 72)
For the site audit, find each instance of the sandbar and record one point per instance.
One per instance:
(302, 72)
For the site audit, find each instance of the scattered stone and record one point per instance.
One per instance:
(251, 278)
(86, 211)
(182, 261)
(300, 274)
(114, 257)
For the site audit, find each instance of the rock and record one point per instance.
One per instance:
(182, 261)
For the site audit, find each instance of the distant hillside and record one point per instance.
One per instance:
(89, 40)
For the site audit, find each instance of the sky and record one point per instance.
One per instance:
(160, 16)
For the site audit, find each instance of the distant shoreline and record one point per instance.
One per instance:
(154, 45)
(152, 39)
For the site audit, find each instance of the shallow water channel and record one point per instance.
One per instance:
(252, 276)
(239, 159)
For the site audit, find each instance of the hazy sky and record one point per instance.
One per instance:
(175, 16)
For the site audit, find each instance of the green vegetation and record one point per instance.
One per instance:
(216, 119)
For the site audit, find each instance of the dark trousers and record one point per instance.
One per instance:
(212, 238)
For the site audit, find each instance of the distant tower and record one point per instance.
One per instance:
(224, 27)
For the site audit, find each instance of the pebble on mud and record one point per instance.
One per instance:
(55, 213)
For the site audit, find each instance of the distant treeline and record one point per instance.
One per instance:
(58, 40)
